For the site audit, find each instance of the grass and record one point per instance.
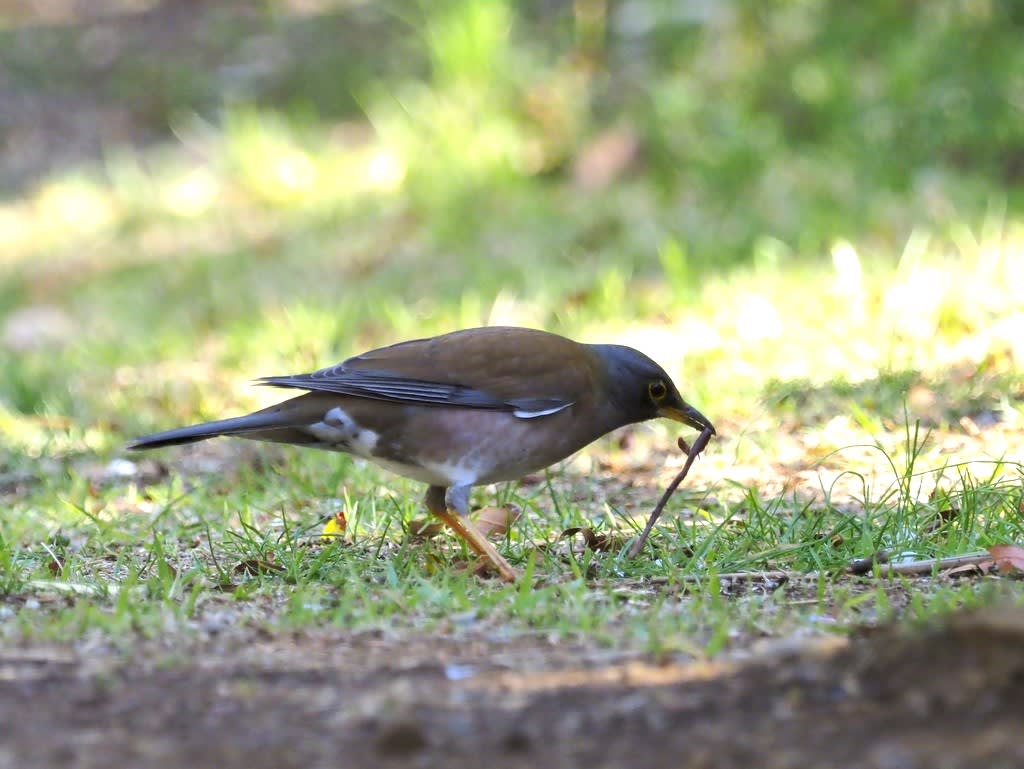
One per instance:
(120, 559)
(859, 352)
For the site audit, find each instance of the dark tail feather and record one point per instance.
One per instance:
(251, 423)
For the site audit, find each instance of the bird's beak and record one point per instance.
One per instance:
(688, 415)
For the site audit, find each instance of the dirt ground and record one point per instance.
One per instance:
(947, 697)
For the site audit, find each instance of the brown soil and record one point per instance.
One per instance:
(948, 697)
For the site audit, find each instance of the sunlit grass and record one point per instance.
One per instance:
(150, 288)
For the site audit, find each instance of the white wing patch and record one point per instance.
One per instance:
(525, 414)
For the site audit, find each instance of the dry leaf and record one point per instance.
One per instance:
(606, 158)
(494, 522)
(253, 566)
(1009, 559)
(424, 528)
(969, 570)
(599, 543)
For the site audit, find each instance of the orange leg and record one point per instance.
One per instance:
(438, 504)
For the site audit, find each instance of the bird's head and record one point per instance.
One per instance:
(641, 389)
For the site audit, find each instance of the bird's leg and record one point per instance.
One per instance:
(452, 507)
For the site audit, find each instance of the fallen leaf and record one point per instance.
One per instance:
(482, 567)
(253, 566)
(335, 527)
(924, 403)
(606, 158)
(494, 522)
(599, 543)
(424, 528)
(969, 570)
(970, 426)
(1009, 559)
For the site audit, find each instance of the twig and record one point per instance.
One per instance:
(741, 576)
(856, 568)
(697, 448)
(928, 565)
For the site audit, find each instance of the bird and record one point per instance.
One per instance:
(469, 407)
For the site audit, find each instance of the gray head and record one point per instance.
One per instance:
(641, 389)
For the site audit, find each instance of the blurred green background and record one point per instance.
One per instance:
(766, 196)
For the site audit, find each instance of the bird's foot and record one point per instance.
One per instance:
(479, 544)
(440, 503)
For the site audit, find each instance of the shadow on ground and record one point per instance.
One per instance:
(948, 697)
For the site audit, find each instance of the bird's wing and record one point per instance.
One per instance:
(531, 373)
(383, 385)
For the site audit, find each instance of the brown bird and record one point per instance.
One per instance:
(480, 405)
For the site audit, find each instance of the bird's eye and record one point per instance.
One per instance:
(657, 390)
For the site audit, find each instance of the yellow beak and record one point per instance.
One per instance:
(688, 415)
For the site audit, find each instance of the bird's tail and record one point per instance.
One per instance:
(277, 423)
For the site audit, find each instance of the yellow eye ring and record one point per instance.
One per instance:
(657, 390)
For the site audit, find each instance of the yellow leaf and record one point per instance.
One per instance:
(335, 527)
